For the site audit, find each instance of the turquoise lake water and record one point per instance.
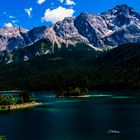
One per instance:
(76, 119)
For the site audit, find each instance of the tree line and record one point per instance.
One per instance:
(23, 97)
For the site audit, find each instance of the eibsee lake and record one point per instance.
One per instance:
(76, 119)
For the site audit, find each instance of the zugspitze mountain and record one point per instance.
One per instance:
(109, 29)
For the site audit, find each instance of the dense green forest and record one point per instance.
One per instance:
(118, 68)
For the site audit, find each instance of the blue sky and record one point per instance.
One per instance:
(32, 13)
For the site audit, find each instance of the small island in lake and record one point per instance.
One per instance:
(72, 92)
(8, 102)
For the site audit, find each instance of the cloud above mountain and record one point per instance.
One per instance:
(12, 17)
(29, 11)
(67, 2)
(40, 1)
(70, 2)
(61, 1)
(57, 14)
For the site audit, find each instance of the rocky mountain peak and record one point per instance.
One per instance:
(65, 28)
(10, 30)
(123, 9)
(119, 16)
(11, 37)
(91, 26)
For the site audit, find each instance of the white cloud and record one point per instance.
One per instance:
(40, 1)
(8, 24)
(29, 11)
(70, 2)
(11, 17)
(15, 21)
(61, 1)
(57, 14)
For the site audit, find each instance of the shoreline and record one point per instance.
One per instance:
(83, 96)
(18, 106)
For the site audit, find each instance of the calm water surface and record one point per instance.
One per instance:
(76, 119)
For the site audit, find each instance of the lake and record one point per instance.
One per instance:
(76, 119)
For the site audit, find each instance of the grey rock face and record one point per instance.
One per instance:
(67, 31)
(93, 27)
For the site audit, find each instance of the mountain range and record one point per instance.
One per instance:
(107, 30)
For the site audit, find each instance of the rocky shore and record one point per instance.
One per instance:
(18, 106)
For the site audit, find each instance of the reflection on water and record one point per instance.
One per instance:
(76, 119)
